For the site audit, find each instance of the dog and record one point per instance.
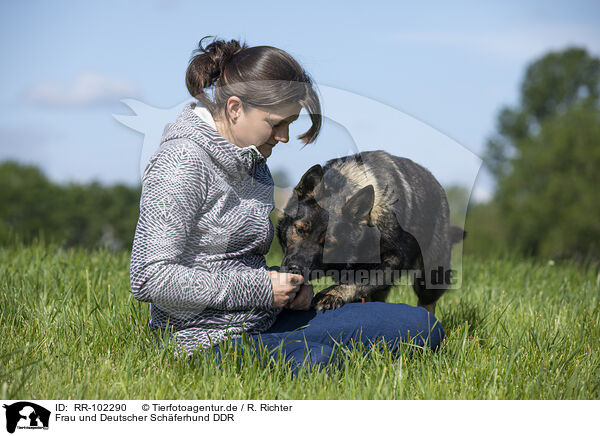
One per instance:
(365, 216)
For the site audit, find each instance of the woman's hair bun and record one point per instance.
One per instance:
(208, 63)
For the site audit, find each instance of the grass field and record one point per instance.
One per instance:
(518, 329)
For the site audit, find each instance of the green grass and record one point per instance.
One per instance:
(518, 329)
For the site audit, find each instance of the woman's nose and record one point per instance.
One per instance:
(282, 134)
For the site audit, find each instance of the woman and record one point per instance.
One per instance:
(204, 227)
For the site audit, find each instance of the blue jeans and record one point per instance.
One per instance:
(311, 337)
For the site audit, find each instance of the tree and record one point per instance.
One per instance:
(546, 155)
(26, 202)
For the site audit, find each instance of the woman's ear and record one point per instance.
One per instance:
(234, 108)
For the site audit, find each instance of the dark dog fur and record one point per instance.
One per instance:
(369, 212)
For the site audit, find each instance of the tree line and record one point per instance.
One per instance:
(90, 216)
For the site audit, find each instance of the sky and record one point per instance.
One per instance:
(424, 81)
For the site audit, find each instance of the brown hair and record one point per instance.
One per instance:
(260, 76)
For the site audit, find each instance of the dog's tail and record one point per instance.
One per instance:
(456, 234)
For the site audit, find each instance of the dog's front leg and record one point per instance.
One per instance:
(337, 295)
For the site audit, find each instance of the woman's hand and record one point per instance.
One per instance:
(303, 298)
(285, 287)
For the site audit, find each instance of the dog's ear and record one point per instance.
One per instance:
(309, 181)
(359, 206)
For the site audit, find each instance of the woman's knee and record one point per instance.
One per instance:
(429, 330)
(436, 330)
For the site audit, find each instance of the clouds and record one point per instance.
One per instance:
(88, 89)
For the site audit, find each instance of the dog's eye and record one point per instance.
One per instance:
(301, 230)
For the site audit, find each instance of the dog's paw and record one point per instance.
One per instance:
(327, 300)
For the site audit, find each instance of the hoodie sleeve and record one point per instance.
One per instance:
(174, 190)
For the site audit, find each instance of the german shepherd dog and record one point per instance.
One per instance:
(365, 216)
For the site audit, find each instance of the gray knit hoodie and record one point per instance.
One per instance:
(203, 231)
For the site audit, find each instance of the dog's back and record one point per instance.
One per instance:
(402, 187)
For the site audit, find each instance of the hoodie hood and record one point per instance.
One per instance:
(196, 123)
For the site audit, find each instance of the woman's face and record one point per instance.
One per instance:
(263, 128)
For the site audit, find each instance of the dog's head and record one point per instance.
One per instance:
(301, 230)
(318, 233)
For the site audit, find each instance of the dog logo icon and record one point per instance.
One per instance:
(26, 415)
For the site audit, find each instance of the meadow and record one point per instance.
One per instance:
(517, 329)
